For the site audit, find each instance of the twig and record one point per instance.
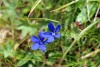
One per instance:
(34, 6)
(88, 12)
(18, 44)
(64, 6)
(42, 19)
(91, 54)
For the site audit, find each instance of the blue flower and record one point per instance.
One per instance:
(39, 42)
(53, 32)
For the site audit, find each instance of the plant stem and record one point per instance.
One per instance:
(80, 35)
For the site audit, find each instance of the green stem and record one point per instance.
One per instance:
(80, 35)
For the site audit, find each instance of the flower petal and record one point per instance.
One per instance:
(40, 36)
(57, 28)
(46, 34)
(35, 39)
(50, 39)
(45, 42)
(35, 46)
(57, 35)
(43, 48)
(51, 27)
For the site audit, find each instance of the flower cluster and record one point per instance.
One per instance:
(45, 37)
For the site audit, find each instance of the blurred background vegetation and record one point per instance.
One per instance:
(79, 45)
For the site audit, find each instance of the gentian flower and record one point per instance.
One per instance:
(53, 32)
(39, 42)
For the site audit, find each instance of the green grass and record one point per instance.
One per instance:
(78, 46)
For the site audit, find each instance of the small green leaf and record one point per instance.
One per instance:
(26, 29)
(55, 54)
(7, 49)
(25, 59)
(83, 16)
(38, 56)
